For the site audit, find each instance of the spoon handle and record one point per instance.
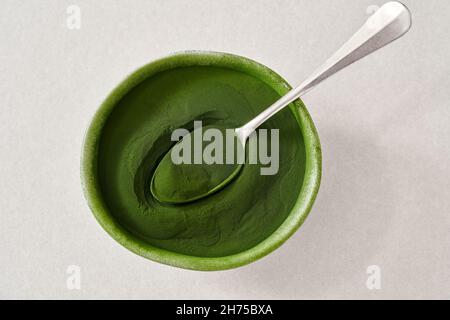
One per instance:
(387, 24)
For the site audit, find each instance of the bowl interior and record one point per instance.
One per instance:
(131, 132)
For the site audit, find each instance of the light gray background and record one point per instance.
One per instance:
(384, 125)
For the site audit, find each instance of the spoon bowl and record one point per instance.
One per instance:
(200, 175)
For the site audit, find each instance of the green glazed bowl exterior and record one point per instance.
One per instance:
(299, 212)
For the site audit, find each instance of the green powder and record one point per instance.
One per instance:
(137, 136)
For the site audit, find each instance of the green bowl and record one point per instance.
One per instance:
(304, 200)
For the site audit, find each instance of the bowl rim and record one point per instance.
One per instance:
(297, 215)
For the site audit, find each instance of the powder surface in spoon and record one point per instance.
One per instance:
(137, 135)
(197, 167)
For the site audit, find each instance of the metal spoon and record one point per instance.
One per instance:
(387, 24)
